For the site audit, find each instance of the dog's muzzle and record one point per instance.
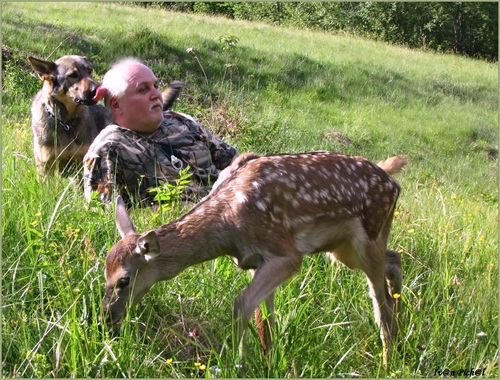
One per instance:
(92, 97)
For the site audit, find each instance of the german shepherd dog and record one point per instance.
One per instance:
(65, 116)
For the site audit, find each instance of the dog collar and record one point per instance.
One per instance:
(51, 114)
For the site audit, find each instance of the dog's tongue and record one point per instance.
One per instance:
(100, 93)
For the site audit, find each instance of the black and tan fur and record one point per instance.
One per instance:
(171, 93)
(64, 118)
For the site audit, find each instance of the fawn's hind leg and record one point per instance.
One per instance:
(394, 278)
(265, 326)
(374, 267)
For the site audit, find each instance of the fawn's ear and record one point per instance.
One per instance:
(148, 245)
(123, 221)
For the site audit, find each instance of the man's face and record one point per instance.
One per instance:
(140, 108)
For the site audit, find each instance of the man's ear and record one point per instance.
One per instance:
(148, 245)
(114, 105)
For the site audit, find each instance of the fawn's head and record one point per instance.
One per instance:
(128, 271)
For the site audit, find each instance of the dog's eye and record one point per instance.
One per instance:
(73, 75)
(123, 282)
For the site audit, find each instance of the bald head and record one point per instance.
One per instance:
(133, 96)
(117, 78)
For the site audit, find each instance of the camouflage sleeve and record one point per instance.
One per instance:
(98, 173)
(222, 153)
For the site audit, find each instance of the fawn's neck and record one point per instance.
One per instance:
(194, 238)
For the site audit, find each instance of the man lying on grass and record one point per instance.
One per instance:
(146, 146)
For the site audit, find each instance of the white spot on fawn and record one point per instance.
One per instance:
(261, 205)
(240, 197)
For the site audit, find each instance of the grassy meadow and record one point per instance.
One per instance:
(273, 90)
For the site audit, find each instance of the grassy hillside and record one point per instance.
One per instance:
(275, 90)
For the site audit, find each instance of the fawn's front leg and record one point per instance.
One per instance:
(266, 278)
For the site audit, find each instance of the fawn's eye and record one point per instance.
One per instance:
(123, 282)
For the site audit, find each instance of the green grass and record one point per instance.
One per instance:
(278, 90)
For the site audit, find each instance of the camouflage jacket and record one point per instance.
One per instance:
(131, 163)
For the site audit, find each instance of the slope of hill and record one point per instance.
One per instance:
(267, 90)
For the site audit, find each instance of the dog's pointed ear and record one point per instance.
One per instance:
(44, 69)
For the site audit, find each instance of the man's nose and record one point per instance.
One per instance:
(156, 94)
